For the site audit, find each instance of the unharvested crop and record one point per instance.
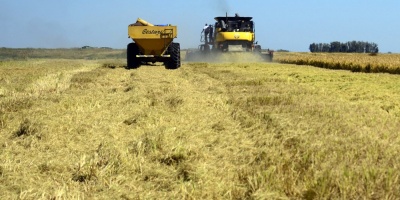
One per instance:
(355, 62)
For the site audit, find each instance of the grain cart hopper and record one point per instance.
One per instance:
(152, 43)
(230, 34)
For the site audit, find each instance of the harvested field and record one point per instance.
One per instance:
(90, 129)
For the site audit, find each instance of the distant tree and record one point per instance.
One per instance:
(282, 50)
(326, 47)
(335, 47)
(344, 47)
(349, 47)
(369, 47)
(352, 46)
(313, 47)
(376, 50)
(320, 47)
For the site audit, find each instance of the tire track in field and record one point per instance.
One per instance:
(193, 112)
(48, 84)
(56, 82)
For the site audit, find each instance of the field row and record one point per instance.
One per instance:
(355, 62)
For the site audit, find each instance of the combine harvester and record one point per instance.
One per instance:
(235, 35)
(152, 43)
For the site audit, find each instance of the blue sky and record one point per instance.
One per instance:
(286, 24)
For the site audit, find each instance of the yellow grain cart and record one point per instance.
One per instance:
(152, 43)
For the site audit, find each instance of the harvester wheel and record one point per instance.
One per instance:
(175, 59)
(132, 61)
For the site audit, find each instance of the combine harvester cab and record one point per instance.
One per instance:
(230, 34)
(152, 43)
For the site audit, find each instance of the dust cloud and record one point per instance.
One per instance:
(226, 57)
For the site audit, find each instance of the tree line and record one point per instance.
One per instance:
(347, 47)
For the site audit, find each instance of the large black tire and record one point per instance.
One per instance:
(132, 61)
(174, 62)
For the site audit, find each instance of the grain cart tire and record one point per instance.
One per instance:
(175, 59)
(132, 61)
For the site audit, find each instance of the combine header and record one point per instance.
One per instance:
(152, 43)
(229, 34)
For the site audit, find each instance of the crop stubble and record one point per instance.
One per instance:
(85, 129)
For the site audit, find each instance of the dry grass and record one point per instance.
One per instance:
(79, 129)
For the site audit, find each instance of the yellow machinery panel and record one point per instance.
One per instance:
(152, 40)
(236, 36)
